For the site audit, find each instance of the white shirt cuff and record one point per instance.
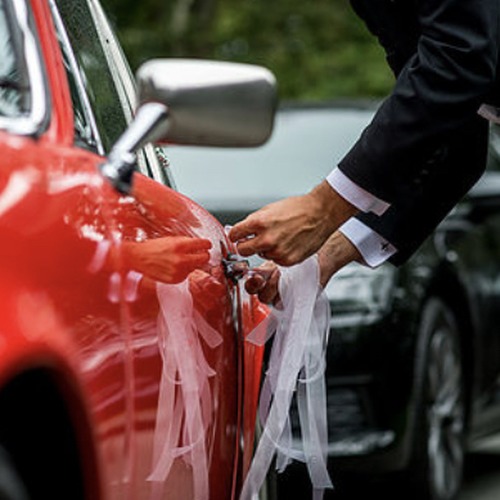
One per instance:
(374, 249)
(354, 194)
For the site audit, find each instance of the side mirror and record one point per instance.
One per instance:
(210, 103)
(187, 101)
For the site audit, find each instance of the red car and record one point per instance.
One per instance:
(123, 372)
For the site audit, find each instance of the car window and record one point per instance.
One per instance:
(95, 70)
(151, 160)
(14, 94)
(86, 132)
(23, 92)
(107, 80)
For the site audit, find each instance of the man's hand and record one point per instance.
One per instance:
(264, 283)
(337, 252)
(290, 230)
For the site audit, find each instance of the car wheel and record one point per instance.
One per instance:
(437, 466)
(11, 485)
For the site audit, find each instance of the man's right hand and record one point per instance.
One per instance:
(290, 230)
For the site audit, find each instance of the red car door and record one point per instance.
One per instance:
(165, 381)
(185, 349)
(119, 303)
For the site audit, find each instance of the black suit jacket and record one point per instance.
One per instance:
(426, 145)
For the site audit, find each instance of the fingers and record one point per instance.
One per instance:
(269, 293)
(264, 283)
(265, 270)
(249, 235)
(260, 244)
(272, 232)
(290, 230)
(247, 228)
(254, 284)
(258, 280)
(192, 245)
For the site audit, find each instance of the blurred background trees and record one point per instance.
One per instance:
(318, 51)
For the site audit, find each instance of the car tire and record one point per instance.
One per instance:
(436, 468)
(11, 484)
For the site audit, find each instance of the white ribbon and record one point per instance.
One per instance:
(185, 406)
(296, 365)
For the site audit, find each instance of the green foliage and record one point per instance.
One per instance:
(319, 51)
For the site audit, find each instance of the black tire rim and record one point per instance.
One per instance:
(445, 413)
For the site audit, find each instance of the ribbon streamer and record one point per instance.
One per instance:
(185, 406)
(296, 366)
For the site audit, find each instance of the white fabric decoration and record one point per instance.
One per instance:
(185, 405)
(296, 365)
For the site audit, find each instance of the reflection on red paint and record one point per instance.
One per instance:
(254, 314)
(84, 273)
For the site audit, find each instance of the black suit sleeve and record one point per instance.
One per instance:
(422, 203)
(437, 92)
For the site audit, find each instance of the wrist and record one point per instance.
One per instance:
(336, 253)
(331, 205)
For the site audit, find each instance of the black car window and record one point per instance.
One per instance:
(83, 133)
(150, 160)
(86, 133)
(14, 89)
(95, 70)
(108, 80)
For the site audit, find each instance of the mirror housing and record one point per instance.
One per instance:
(194, 102)
(210, 103)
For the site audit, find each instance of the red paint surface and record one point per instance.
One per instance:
(66, 238)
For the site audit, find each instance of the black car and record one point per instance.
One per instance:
(413, 370)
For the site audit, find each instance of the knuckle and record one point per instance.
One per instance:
(284, 261)
(244, 251)
(257, 221)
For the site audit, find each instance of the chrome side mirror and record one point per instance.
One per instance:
(193, 102)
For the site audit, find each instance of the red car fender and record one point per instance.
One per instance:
(32, 338)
